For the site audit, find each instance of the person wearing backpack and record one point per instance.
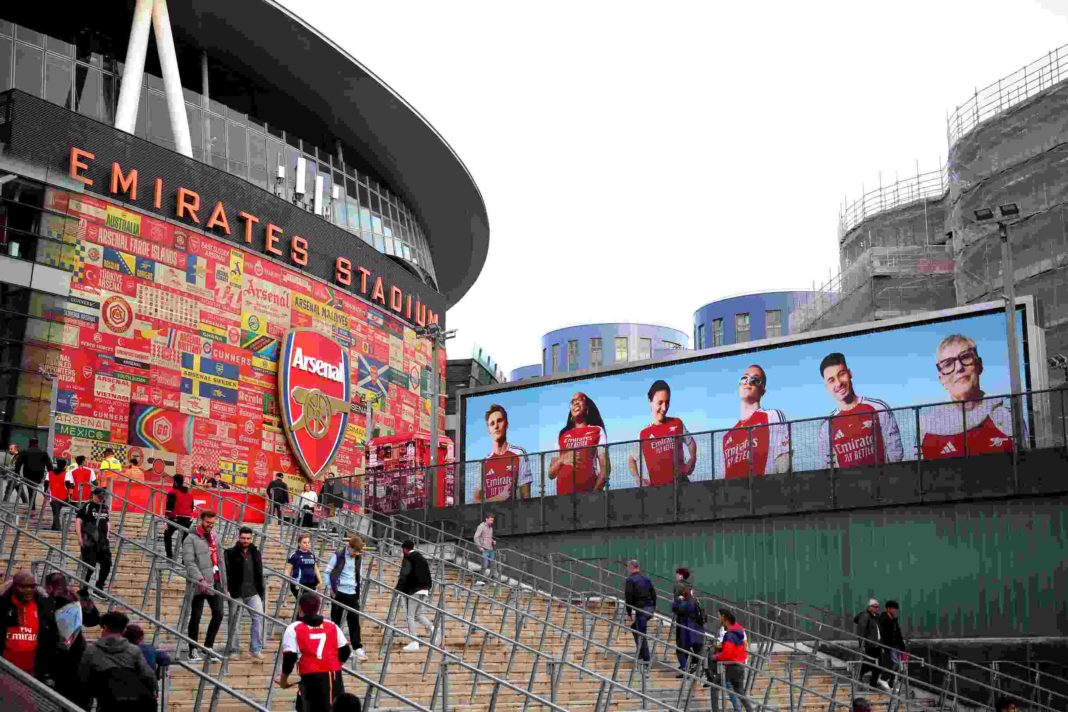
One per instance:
(691, 622)
(113, 670)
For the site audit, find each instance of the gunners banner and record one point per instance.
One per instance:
(315, 392)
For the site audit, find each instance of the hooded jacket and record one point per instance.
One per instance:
(733, 645)
(106, 656)
(690, 632)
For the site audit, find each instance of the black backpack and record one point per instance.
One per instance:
(699, 614)
(126, 690)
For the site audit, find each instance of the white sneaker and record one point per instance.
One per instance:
(480, 583)
(885, 685)
(412, 647)
(360, 655)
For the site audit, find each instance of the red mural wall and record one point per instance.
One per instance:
(167, 347)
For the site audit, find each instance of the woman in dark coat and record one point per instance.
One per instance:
(691, 633)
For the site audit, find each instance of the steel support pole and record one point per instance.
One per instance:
(134, 68)
(1008, 279)
(172, 81)
(435, 397)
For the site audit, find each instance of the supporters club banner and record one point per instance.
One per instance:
(799, 403)
(169, 347)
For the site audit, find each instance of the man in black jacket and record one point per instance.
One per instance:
(92, 524)
(32, 645)
(415, 582)
(244, 580)
(114, 672)
(69, 652)
(640, 596)
(32, 463)
(890, 631)
(278, 494)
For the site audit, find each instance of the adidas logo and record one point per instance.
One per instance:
(948, 449)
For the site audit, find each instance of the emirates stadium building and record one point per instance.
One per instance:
(183, 187)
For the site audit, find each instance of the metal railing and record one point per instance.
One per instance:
(1012, 89)
(907, 434)
(995, 675)
(19, 691)
(930, 186)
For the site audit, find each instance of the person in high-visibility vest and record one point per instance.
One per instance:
(109, 467)
(80, 480)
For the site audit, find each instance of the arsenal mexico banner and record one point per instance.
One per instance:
(315, 394)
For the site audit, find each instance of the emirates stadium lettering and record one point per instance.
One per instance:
(312, 365)
(217, 219)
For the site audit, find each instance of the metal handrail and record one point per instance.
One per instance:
(996, 675)
(1012, 89)
(1032, 667)
(268, 571)
(38, 687)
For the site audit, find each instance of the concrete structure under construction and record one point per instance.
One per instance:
(925, 243)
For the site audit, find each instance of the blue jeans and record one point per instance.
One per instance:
(640, 626)
(734, 680)
(489, 559)
(256, 633)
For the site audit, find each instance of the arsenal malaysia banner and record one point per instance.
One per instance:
(315, 393)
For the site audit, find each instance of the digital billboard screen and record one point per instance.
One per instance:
(842, 399)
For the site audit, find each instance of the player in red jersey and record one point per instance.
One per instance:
(586, 468)
(322, 650)
(970, 425)
(758, 443)
(668, 451)
(506, 468)
(80, 479)
(864, 430)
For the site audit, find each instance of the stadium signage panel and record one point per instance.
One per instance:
(315, 392)
(271, 239)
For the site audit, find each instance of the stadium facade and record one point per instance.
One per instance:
(161, 231)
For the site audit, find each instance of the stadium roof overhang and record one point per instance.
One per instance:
(309, 75)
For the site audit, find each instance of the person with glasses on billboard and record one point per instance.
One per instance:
(506, 467)
(861, 431)
(972, 424)
(585, 467)
(667, 449)
(759, 442)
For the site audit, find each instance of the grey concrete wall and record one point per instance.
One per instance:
(914, 225)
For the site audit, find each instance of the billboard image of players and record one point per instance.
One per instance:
(861, 431)
(759, 442)
(505, 470)
(971, 424)
(585, 468)
(667, 450)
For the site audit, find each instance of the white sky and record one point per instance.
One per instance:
(639, 160)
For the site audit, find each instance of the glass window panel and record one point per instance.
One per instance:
(217, 140)
(389, 246)
(376, 224)
(717, 332)
(380, 243)
(275, 158)
(572, 355)
(141, 128)
(645, 349)
(365, 199)
(595, 352)
(5, 63)
(353, 215)
(773, 323)
(622, 351)
(159, 121)
(257, 158)
(6, 28)
(59, 73)
(368, 238)
(556, 358)
(699, 337)
(365, 219)
(237, 142)
(27, 35)
(741, 327)
(196, 130)
(88, 49)
(350, 190)
(29, 68)
(60, 47)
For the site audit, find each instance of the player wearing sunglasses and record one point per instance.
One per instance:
(977, 425)
(759, 442)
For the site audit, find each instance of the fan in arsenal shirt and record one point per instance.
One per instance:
(586, 467)
(506, 467)
(759, 442)
(318, 649)
(860, 440)
(972, 424)
(667, 448)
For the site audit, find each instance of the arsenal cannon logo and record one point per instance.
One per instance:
(315, 393)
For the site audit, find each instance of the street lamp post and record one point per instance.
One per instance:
(1008, 279)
